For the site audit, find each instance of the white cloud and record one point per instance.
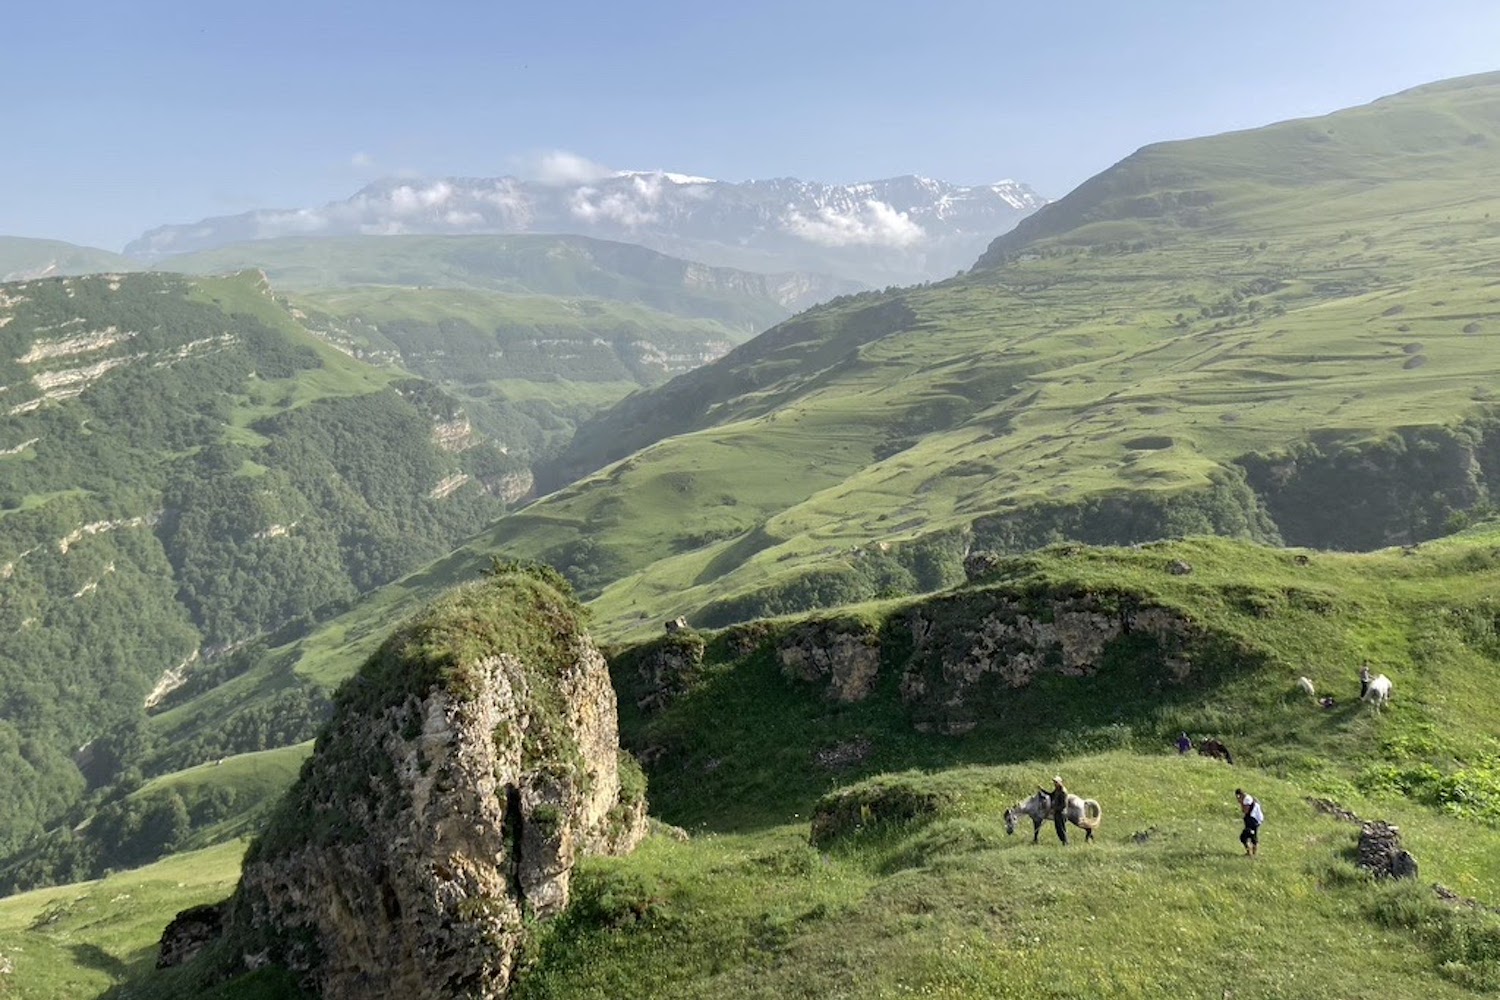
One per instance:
(629, 208)
(408, 200)
(560, 168)
(362, 161)
(298, 223)
(459, 219)
(874, 223)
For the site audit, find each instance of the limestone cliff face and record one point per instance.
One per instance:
(965, 647)
(841, 654)
(468, 765)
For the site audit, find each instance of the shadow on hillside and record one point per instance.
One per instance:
(748, 748)
(92, 956)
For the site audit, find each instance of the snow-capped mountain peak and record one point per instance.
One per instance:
(896, 230)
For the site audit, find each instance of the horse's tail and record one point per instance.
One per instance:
(1092, 814)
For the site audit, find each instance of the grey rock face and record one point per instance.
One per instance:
(843, 656)
(427, 827)
(189, 933)
(968, 644)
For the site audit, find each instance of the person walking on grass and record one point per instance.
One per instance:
(1184, 744)
(1364, 680)
(1060, 808)
(1254, 817)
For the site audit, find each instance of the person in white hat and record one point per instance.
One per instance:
(1060, 808)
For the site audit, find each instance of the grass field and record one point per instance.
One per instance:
(1164, 904)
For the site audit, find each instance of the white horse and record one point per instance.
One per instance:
(1306, 684)
(1082, 813)
(1379, 691)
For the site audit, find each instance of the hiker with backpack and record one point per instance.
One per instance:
(1254, 817)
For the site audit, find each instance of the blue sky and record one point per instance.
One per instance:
(121, 116)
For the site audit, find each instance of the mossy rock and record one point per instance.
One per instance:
(880, 803)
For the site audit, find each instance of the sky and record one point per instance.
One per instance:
(117, 117)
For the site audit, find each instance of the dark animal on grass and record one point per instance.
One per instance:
(1082, 813)
(1213, 748)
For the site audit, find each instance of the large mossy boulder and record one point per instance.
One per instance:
(467, 766)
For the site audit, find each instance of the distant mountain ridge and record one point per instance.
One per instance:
(900, 230)
(23, 258)
(568, 266)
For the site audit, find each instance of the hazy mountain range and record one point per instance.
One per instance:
(901, 230)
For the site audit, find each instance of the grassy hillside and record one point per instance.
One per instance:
(22, 257)
(527, 368)
(1323, 384)
(1287, 332)
(743, 753)
(184, 470)
(534, 333)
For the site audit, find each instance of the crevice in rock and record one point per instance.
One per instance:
(512, 831)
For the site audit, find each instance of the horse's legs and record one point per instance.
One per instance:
(1036, 829)
(1088, 833)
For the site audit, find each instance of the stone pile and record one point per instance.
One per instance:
(1380, 851)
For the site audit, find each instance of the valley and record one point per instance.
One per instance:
(369, 588)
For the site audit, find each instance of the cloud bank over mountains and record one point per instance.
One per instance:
(891, 231)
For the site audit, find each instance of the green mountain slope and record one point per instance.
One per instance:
(1287, 332)
(532, 333)
(527, 368)
(22, 257)
(185, 469)
(908, 882)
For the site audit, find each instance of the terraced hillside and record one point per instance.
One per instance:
(838, 782)
(185, 470)
(527, 368)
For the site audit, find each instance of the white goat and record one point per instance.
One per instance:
(1379, 691)
(1306, 685)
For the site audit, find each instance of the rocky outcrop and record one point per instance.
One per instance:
(1380, 851)
(514, 486)
(189, 933)
(842, 655)
(454, 435)
(468, 765)
(668, 668)
(968, 644)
